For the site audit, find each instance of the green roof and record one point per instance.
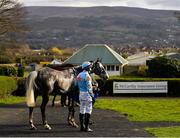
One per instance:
(94, 51)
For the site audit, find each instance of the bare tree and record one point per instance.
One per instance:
(11, 16)
(177, 14)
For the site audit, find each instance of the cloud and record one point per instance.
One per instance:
(77, 3)
(151, 4)
(167, 4)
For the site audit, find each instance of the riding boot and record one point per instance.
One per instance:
(81, 120)
(87, 117)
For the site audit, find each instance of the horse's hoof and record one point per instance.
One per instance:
(70, 123)
(33, 128)
(75, 125)
(47, 127)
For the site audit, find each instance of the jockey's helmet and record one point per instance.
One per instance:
(86, 65)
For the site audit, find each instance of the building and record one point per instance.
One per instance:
(139, 59)
(111, 60)
(55, 61)
(173, 55)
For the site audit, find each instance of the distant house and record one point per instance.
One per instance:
(111, 60)
(139, 59)
(56, 62)
(173, 55)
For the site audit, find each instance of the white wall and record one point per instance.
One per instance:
(113, 73)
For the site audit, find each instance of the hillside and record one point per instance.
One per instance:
(117, 26)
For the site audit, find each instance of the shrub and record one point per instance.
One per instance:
(130, 69)
(20, 72)
(142, 71)
(163, 67)
(7, 70)
(20, 91)
(5, 59)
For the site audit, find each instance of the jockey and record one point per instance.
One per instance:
(86, 94)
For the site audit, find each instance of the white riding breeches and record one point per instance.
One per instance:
(85, 103)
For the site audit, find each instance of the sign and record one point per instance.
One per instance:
(140, 87)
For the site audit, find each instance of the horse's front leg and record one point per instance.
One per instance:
(71, 119)
(43, 108)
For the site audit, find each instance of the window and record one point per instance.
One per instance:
(112, 68)
(117, 68)
(108, 68)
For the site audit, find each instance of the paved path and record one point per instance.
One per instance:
(14, 120)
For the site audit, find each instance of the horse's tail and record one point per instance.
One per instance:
(30, 85)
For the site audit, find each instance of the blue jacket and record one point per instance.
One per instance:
(84, 82)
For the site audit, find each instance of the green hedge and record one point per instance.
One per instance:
(16, 86)
(7, 86)
(107, 88)
(20, 71)
(7, 70)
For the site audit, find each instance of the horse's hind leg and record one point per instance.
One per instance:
(71, 119)
(53, 100)
(32, 126)
(43, 108)
(63, 99)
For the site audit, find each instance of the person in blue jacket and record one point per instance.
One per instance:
(85, 97)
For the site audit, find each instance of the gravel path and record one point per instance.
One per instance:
(14, 123)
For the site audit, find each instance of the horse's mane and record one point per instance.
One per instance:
(60, 66)
(78, 69)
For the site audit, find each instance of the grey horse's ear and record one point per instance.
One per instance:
(92, 62)
(99, 60)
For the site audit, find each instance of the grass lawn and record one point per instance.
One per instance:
(26, 73)
(144, 109)
(165, 131)
(147, 109)
(12, 100)
(18, 99)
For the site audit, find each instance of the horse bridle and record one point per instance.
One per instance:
(95, 70)
(101, 71)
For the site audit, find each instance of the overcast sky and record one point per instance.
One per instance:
(150, 4)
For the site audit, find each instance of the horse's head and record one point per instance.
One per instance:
(99, 70)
